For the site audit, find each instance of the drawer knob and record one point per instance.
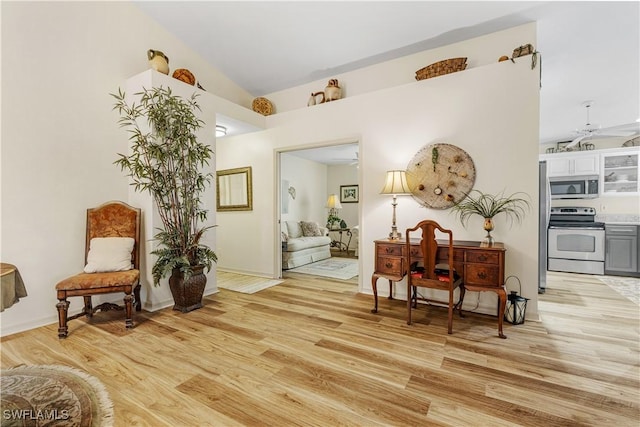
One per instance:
(388, 265)
(482, 258)
(414, 252)
(389, 250)
(482, 275)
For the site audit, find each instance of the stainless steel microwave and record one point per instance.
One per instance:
(574, 187)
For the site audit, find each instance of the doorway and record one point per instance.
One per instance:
(306, 177)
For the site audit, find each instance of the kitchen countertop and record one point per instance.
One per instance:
(619, 219)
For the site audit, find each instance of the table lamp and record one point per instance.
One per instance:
(333, 203)
(395, 184)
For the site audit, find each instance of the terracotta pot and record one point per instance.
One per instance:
(187, 294)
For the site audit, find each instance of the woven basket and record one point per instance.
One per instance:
(263, 106)
(440, 68)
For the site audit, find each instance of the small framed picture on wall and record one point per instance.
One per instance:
(349, 194)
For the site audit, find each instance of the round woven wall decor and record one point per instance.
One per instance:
(440, 175)
(262, 106)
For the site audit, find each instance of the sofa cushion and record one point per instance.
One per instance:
(307, 242)
(293, 229)
(310, 229)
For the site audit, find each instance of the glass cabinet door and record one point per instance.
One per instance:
(620, 173)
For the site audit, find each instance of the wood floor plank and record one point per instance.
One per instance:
(309, 352)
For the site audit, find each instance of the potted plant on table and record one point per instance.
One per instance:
(167, 162)
(488, 206)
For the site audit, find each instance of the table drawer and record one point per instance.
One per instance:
(482, 275)
(389, 265)
(483, 257)
(443, 254)
(389, 250)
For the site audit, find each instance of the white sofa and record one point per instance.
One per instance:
(304, 242)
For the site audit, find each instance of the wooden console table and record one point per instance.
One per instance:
(481, 267)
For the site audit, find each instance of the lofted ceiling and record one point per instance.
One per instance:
(590, 50)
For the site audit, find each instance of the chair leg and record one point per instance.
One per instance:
(63, 329)
(450, 308)
(136, 293)
(128, 307)
(88, 306)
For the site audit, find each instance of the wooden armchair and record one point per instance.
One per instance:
(427, 273)
(112, 260)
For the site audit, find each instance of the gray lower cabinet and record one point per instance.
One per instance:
(621, 252)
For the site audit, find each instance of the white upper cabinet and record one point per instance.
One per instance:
(572, 164)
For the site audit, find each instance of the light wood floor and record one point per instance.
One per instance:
(309, 352)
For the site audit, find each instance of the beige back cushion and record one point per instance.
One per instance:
(293, 229)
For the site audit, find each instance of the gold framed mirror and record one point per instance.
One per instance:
(234, 190)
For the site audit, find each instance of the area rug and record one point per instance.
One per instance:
(628, 287)
(336, 268)
(53, 395)
(250, 288)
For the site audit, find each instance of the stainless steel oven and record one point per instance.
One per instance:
(576, 242)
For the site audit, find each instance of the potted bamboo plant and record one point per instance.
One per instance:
(167, 161)
(488, 206)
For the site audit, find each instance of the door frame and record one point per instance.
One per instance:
(277, 262)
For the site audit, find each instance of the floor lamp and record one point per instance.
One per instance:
(395, 184)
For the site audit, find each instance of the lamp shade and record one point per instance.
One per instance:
(396, 183)
(333, 202)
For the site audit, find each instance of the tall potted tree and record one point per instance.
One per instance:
(167, 162)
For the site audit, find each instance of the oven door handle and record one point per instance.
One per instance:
(559, 227)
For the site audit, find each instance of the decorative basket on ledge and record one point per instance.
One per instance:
(440, 68)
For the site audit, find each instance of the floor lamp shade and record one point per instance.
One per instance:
(395, 184)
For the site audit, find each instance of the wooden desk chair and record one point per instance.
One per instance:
(112, 261)
(428, 274)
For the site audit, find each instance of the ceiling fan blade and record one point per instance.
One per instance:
(615, 133)
(627, 127)
(575, 141)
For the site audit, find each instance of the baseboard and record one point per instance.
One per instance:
(246, 273)
(159, 305)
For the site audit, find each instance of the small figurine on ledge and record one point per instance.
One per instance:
(331, 93)
(158, 61)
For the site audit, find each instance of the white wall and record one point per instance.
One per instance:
(309, 179)
(490, 111)
(480, 51)
(60, 61)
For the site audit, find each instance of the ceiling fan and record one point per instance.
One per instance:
(591, 130)
(355, 161)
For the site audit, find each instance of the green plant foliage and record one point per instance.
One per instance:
(167, 162)
(489, 205)
(331, 219)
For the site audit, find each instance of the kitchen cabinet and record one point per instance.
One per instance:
(573, 164)
(620, 173)
(621, 250)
